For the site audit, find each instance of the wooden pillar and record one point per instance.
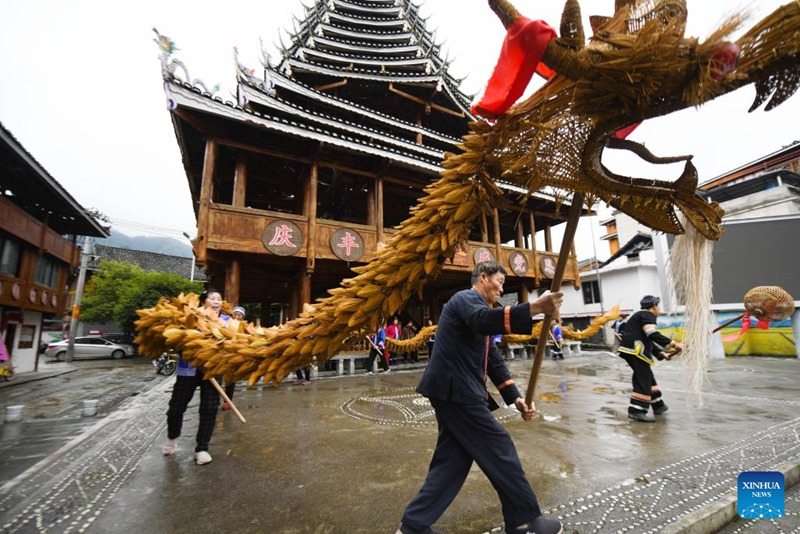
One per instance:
(305, 291)
(206, 192)
(520, 241)
(575, 272)
(523, 295)
(534, 256)
(436, 309)
(419, 123)
(311, 214)
(265, 312)
(548, 239)
(484, 229)
(497, 238)
(379, 208)
(371, 202)
(294, 306)
(240, 180)
(233, 281)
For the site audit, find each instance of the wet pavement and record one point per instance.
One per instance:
(346, 454)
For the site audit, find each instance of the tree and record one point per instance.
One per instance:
(118, 289)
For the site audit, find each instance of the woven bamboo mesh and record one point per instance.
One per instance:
(769, 303)
(638, 65)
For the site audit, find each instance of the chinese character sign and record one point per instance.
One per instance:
(347, 244)
(548, 266)
(519, 263)
(283, 238)
(482, 254)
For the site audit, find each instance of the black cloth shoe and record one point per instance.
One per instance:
(660, 409)
(540, 525)
(405, 529)
(642, 417)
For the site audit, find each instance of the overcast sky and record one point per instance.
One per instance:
(81, 89)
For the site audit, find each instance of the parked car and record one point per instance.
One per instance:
(123, 339)
(89, 347)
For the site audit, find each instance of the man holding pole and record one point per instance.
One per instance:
(455, 381)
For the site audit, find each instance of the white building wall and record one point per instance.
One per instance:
(621, 283)
(627, 228)
(24, 359)
(624, 285)
(775, 202)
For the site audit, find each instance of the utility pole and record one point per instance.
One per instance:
(596, 265)
(191, 278)
(76, 307)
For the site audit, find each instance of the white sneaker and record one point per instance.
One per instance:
(202, 457)
(170, 446)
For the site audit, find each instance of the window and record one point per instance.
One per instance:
(46, 272)
(9, 257)
(591, 292)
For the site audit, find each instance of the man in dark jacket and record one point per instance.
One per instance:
(641, 342)
(455, 382)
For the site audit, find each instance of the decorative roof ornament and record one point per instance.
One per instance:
(311, 43)
(242, 72)
(331, 5)
(169, 66)
(318, 30)
(269, 83)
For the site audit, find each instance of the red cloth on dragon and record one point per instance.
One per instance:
(523, 47)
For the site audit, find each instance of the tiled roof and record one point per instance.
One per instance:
(391, 26)
(637, 244)
(351, 107)
(39, 194)
(184, 94)
(149, 261)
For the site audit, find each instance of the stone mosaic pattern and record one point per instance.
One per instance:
(70, 490)
(652, 501)
(403, 407)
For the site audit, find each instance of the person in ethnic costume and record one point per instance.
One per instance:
(641, 342)
(454, 381)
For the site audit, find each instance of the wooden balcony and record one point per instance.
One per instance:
(245, 230)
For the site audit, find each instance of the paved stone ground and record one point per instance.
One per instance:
(346, 455)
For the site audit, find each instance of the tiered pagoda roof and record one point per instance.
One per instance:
(361, 95)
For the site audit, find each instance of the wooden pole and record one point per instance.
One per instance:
(563, 257)
(226, 399)
(726, 323)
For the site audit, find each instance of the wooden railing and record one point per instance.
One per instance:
(243, 230)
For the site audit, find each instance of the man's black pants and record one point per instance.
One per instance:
(467, 433)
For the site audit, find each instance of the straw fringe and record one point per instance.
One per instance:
(690, 272)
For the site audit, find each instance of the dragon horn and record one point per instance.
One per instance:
(505, 11)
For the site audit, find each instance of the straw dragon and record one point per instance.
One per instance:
(638, 65)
